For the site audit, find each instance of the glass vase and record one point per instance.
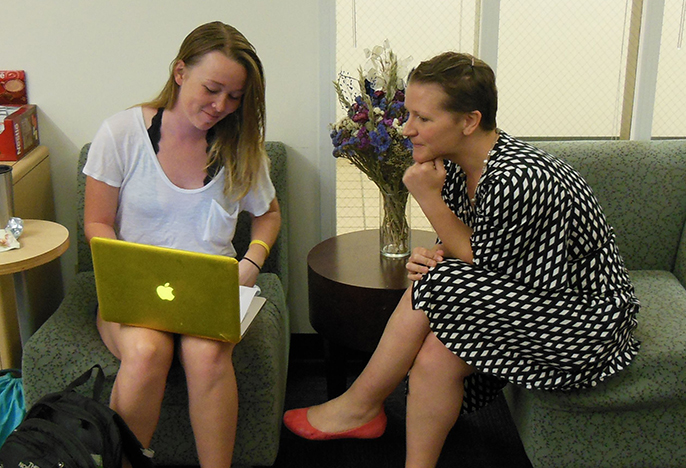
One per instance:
(394, 230)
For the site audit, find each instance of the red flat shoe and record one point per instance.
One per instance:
(296, 421)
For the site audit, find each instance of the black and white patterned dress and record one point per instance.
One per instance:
(547, 303)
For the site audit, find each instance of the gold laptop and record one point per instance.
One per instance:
(172, 290)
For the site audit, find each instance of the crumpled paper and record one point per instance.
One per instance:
(8, 241)
(9, 235)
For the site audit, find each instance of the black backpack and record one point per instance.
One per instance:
(67, 429)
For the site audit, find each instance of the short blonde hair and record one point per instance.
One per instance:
(469, 84)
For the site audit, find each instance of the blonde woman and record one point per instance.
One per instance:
(175, 172)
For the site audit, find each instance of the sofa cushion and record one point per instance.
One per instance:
(657, 376)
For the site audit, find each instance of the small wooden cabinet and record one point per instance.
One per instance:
(33, 199)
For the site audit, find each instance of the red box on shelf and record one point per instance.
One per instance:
(13, 88)
(18, 131)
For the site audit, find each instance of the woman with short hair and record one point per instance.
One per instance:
(525, 284)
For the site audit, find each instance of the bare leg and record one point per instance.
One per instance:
(212, 397)
(433, 402)
(146, 357)
(404, 335)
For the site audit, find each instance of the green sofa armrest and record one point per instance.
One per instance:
(680, 262)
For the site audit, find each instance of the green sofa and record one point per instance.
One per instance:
(638, 417)
(68, 343)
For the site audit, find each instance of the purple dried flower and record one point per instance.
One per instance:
(380, 139)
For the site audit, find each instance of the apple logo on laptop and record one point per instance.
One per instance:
(165, 292)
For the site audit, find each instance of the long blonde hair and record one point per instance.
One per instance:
(238, 141)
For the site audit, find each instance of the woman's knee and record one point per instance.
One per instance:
(206, 359)
(435, 359)
(148, 352)
(409, 317)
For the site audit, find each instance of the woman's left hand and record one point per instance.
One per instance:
(423, 259)
(247, 273)
(264, 230)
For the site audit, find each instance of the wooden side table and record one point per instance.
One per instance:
(33, 199)
(353, 290)
(41, 242)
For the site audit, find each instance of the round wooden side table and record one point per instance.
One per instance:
(353, 290)
(41, 242)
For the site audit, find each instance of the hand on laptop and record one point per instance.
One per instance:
(247, 272)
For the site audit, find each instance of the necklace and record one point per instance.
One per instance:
(483, 169)
(491, 152)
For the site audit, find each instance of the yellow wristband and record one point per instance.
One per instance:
(262, 243)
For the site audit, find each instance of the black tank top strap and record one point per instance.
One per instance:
(154, 132)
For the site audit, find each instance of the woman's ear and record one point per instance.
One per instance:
(179, 70)
(472, 120)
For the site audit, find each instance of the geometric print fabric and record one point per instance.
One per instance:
(547, 303)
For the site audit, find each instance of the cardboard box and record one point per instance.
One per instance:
(18, 131)
(13, 88)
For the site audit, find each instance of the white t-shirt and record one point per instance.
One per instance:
(152, 210)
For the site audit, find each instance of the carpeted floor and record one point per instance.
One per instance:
(484, 439)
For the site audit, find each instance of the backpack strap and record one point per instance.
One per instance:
(138, 456)
(131, 446)
(86, 376)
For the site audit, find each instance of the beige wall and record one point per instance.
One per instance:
(87, 59)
